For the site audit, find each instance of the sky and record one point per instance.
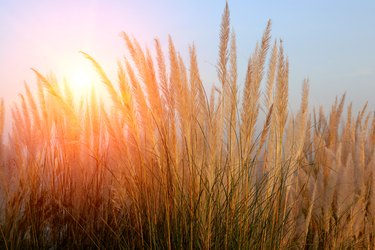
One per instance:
(330, 42)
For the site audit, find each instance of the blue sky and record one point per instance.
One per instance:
(331, 42)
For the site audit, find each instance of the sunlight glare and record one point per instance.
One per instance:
(80, 78)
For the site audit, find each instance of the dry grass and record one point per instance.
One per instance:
(166, 166)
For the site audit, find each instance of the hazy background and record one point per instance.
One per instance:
(331, 42)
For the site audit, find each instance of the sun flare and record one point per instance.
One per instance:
(80, 78)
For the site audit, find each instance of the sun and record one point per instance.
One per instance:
(80, 78)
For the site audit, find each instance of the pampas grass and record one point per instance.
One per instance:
(164, 165)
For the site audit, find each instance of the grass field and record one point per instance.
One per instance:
(168, 165)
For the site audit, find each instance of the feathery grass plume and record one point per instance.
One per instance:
(27, 122)
(360, 116)
(270, 154)
(281, 102)
(198, 94)
(232, 118)
(372, 133)
(137, 56)
(334, 120)
(2, 118)
(129, 113)
(322, 120)
(45, 118)
(223, 47)
(264, 134)
(359, 153)
(233, 74)
(250, 105)
(305, 96)
(125, 91)
(223, 107)
(2, 121)
(139, 101)
(184, 97)
(143, 122)
(167, 131)
(153, 88)
(199, 117)
(174, 81)
(348, 134)
(111, 89)
(18, 122)
(294, 145)
(281, 98)
(162, 71)
(279, 168)
(145, 68)
(211, 102)
(248, 110)
(261, 57)
(296, 138)
(271, 73)
(52, 88)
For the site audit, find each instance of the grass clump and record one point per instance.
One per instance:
(167, 166)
